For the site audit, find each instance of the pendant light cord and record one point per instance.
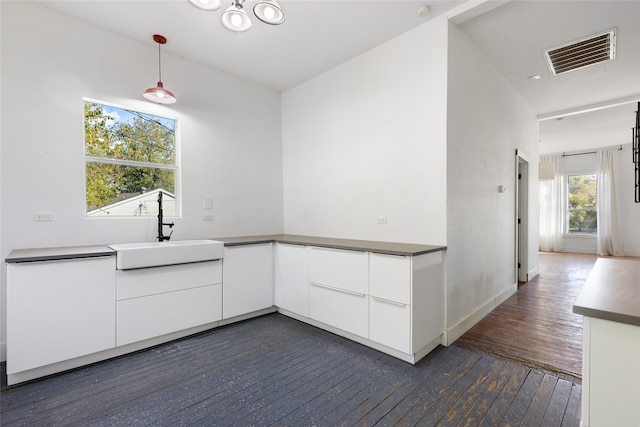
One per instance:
(159, 65)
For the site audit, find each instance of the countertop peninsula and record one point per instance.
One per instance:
(612, 291)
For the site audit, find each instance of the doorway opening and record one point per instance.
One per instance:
(521, 208)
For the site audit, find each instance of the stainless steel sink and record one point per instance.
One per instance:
(153, 254)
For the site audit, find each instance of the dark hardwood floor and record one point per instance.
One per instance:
(277, 371)
(536, 325)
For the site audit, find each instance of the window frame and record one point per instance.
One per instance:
(174, 167)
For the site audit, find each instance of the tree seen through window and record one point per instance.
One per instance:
(582, 204)
(127, 154)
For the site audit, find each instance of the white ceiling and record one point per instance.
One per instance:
(320, 34)
(514, 37)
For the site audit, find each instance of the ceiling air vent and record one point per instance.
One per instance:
(582, 53)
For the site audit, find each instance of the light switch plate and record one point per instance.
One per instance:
(43, 216)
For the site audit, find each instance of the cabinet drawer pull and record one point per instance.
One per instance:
(344, 291)
(399, 304)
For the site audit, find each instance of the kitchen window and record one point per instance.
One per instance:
(130, 157)
(582, 199)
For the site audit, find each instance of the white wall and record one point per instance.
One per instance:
(629, 210)
(367, 139)
(49, 62)
(487, 121)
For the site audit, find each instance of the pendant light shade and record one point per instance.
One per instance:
(269, 12)
(159, 94)
(235, 18)
(206, 4)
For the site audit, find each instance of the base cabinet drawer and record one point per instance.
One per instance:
(344, 269)
(157, 280)
(344, 310)
(155, 315)
(390, 277)
(390, 324)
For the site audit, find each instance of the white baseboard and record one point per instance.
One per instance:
(3, 351)
(632, 253)
(533, 273)
(578, 250)
(455, 331)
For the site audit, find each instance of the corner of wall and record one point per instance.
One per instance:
(453, 332)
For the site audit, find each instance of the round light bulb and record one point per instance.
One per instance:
(160, 94)
(269, 13)
(236, 20)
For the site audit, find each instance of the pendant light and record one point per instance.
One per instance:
(206, 4)
(235, 18)
(159, 94)
(269, 12)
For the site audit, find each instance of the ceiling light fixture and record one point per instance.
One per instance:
(159, 94)
(206, 4)
(236, 19)
(269, 12)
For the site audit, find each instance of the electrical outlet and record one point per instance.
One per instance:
(43, 216)
(382, 220)
(207, 217)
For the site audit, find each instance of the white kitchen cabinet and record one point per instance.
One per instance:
(247, 279)
(292, 278)
(406, 300)
(161, 300)
(390, 307)
(339, 287)
(610, 374)
(59, 310)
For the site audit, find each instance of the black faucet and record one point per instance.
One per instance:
(162, 237)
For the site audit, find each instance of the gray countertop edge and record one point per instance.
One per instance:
(57, 253)
(607, 315)
(78, 252)
(390, 248)
(611, 291)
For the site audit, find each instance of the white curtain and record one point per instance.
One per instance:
(550, 228)
(609, 233)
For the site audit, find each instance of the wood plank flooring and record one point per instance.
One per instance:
(277, 371)
(536, 325)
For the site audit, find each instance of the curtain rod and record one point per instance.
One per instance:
(586, 152)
